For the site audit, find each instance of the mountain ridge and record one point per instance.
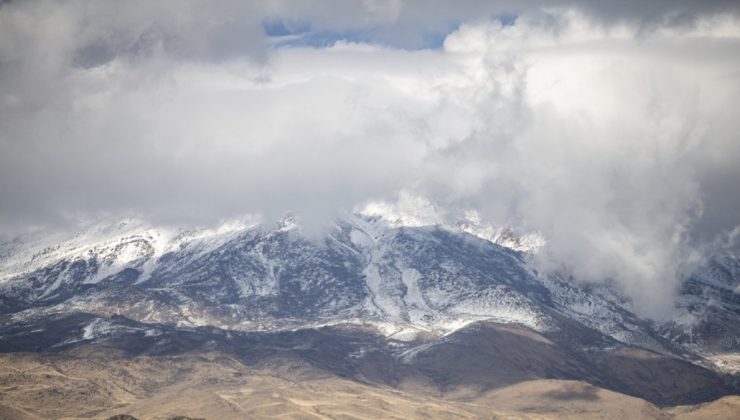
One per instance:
(378, 273)
(410, 298)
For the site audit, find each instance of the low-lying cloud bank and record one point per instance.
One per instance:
(613, 133)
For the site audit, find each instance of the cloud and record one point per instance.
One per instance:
(603, 142)
(608, 129)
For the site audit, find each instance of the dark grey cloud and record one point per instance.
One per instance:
(652, 14)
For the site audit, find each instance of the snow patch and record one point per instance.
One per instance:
(471, 223)
(97, 328)
(729, 362)
(361, 239)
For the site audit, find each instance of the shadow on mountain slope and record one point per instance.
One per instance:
(468, 363)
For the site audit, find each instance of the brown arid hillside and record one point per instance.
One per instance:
(100, 383)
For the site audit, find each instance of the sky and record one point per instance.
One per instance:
(611, 128)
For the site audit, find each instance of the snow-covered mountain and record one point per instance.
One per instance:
(405, 279)
(243, 276)
(379, 299)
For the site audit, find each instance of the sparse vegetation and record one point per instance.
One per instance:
(104, 383)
